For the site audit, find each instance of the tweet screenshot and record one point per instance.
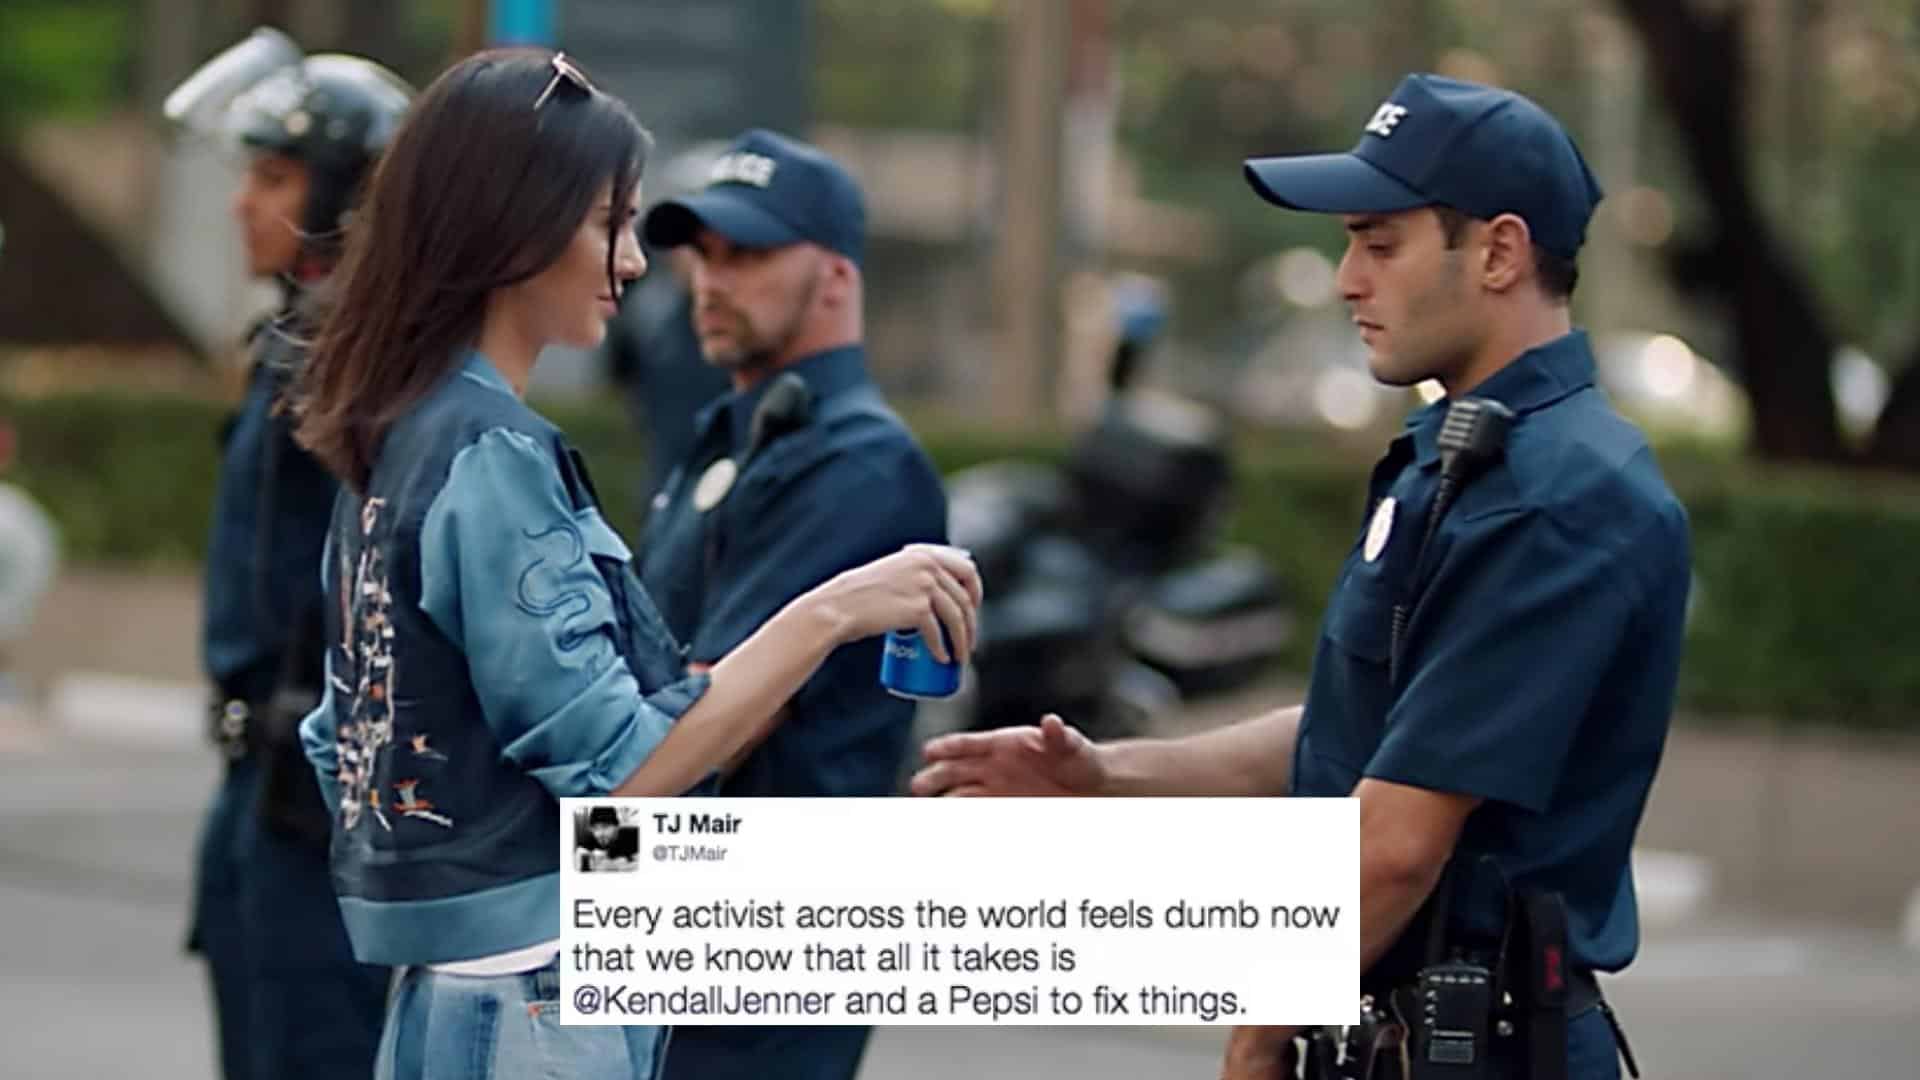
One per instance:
(959, 911)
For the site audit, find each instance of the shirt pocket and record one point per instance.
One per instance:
(1346, 717)
(1359, 620)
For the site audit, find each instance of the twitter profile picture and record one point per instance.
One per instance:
(605, 840)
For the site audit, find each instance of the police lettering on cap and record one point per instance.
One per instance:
(1445, 142)
(743, 168)
(766, 191)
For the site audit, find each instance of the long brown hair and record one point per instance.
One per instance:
(477, 191)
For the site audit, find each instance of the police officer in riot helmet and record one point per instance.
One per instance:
(290, 999)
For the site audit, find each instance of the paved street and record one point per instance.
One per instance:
(94, 849)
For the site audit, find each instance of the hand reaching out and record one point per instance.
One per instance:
(1049, 759)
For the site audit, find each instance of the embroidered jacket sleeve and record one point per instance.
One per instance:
(511, 572)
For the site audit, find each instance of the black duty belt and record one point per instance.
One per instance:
(242, 726)
(1471, 1013)
(233, 725)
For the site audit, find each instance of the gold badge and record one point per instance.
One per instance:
(714, 484)
(1379, 529)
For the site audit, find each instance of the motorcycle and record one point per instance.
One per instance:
(1109, 596)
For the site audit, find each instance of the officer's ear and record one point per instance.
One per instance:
(839, 280)
(1506, 253)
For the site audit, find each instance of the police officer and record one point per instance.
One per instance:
(655, 353)
(1494, 690)
(290, 1000)
(799, 473)
(652, 349)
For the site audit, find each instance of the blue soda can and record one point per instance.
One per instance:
(908, 669)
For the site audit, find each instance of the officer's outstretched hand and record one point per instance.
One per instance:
(1051, 759)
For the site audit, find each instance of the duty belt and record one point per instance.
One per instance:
(230, 724)
(1469, 1014)
(1384, 1044)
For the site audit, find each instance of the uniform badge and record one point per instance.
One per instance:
(714, 484)
(1379, 529)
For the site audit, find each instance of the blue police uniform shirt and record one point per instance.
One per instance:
(1540, 661)
(849, 487)
(270, 520)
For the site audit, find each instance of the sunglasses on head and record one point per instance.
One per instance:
(563, 69)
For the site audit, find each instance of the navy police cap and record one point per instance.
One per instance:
(768, 191)
(1444, 142)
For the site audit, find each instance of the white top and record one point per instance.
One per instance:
(531, 958)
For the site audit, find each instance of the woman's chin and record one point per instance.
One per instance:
(588, 336)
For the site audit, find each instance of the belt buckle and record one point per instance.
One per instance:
(230, 721)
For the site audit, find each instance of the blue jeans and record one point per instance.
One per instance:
(457, 1027)
(753, 1053)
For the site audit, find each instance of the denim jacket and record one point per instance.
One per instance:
(489, 651)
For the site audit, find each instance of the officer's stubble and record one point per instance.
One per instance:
(754, 353)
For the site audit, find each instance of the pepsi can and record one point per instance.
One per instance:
(908, 668)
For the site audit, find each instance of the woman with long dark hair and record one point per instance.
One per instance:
(489, 649)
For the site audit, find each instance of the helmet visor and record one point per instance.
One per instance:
(201, 103)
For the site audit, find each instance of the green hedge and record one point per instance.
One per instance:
(1805, 593)
(1805, 602)
(128, 477)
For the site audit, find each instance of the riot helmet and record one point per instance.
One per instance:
(332, 112)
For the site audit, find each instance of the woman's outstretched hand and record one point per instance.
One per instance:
(924, 587)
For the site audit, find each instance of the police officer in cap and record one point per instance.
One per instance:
(799, 473)
(652, 349)
(655, 353)
(290, 999)
(1497, 664)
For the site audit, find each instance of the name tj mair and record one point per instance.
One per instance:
(705, 824)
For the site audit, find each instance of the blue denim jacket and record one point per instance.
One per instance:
(489, 652)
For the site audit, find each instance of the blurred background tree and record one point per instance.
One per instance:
(106, 65)
(61, 60)
(1759, 154)
(1848, 101)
